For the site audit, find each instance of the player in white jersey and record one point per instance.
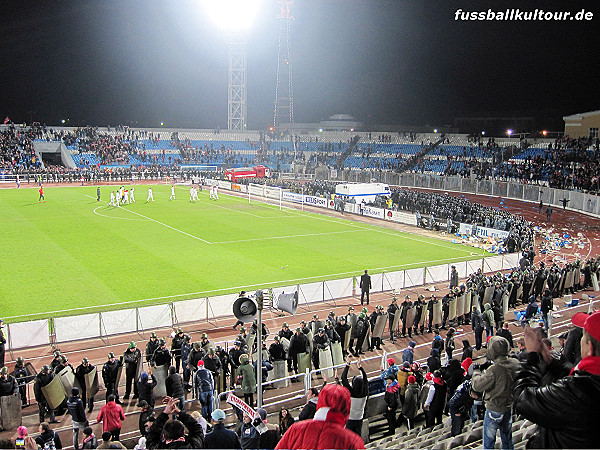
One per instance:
(172, 197)
(150, 196)
(112, 199)
(126, 196)
(131, 197)
(211, 191)
(195, 194)
(216, 193)
(118, 198)
(192, 194)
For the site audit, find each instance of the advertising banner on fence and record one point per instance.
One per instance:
(401, 217)
(292, 197)
(256, 190)
(373, 212)
(465, 229)
(271, 192)
(491, 232)
(315, 201)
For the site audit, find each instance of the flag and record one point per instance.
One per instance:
(6, 120)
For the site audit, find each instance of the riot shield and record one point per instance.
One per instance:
(487, 296)
(437, 313)
(410, 317)
(351, 320)
(468, 301)
(286, 344)
(161, 373)
(379, 325)
(520, 292)
(310, 340)
(91, 383)
(279, 371)
(424, 314)
(452, 309)
(326, 361)
(139, 369)
(505, 298)
(595, 282)
(460, 305)
(315, 326)
(68, 380)
(396, 321)
(367, 343)
(251, 339)
(337, 356)
(10, 412)
(347, 336)
(54, 393)
(304, 363)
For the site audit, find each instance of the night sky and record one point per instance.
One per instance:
(142, 62)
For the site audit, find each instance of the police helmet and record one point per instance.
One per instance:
(20, 361)
(4, 371)
(132, 344)
(204, 336)
(111, 355)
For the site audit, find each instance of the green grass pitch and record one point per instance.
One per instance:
(74, 252)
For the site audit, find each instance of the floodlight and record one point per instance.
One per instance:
(509, 132)
(233, 15)
(544, 132)
(483, 133)
(435, 130)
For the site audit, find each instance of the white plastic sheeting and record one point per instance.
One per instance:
(414, 277)
(510, 260)
(28, 334)
(338, 288)
(376, 282)
(473, 266)
(461, 268)
(221, 305)
(85, 326)
(310, 293)
(116, 322)
(492, 264)
(190, 310)
(436, 274)
(393, 281)
(158, 316)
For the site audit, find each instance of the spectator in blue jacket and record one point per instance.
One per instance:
(204, 386)
(409, 353)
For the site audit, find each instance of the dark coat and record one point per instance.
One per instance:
(194, 438)
(221, 437)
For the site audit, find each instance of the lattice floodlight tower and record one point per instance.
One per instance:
(235, 17)
(284, 92)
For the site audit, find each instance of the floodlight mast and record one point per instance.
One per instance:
(236, 91)
(284, 92)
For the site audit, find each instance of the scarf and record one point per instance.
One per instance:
(590, 364)
(439, 381)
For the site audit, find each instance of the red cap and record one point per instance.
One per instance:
(428, 376)
(590, 323)
(412, 379)
(391, 361)
(200, 363)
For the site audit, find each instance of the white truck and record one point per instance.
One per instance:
(363, 191)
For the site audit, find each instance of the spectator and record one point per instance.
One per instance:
(497, 384)
(204, 389)
(392, 399)
(467, 351)
(141, 445)
(221, 437)
(460, 406)
(111, 415)
(246, 371)
(77, 411)
(437, 342)
(488, 320)
(409, 352)
(48, 438)
(566, 410)
(572, 350)
(506, 334)
(108, 443)
(24, 440)
(309, 410)
(270, 438)
(359, 392)
(326, 430)
(198, 418)
(169, 433)
(146, 386)
(450, 343)
(436, 399)
(434, 362)
(477, 325)
(145, 414)
(392, 369)
(174, 387)
(285, 420)
(411, 402)
(248, 435)
(89, 439)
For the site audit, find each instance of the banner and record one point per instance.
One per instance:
(315, 201)
(491, 232)
(401, 217)
(465, 229)
(292, 197)
(249, 411)
(369, 211)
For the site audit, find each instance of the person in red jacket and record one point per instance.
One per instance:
(326, 430)
(111, 415)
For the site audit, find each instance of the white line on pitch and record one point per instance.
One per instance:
(161, 223)
(290, 236)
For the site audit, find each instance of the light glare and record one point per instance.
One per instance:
(232, 15)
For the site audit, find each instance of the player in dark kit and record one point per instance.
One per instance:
(98, 193)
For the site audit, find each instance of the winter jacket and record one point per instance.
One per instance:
(477, 320)
(438, 343)
(221, 437)
(76, 409)
(146, 389)
(90, 442)
(565, 411)
(246, 370)
(461, 401)
(467, 351)
(408, 355)
(359, 392)
(309, 410)
(47, 437)
(391, 370)
(326, 430)
(194, 438)
(488, 316)
(249, 436)
(434, 362)
(392, 396)
(497, 382)
(111, 416)
(411, 401)
(453, 375)
(174, 386)
(203, 381)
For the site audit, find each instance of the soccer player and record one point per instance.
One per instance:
(192, 194)
(131, 197)
(18, 182)
(112, 199)
(126, 196)
(211, 194)
(216, 192)
(98, 193)
(195, 197)
(41, 191)
(150, 196)
(172, 197)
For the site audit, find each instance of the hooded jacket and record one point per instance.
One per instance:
(358, 393)
(434, 362)
(497, 382)
(327, 429)
(246, 370)
(488, 316)
(111, 416)
(411, 401)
